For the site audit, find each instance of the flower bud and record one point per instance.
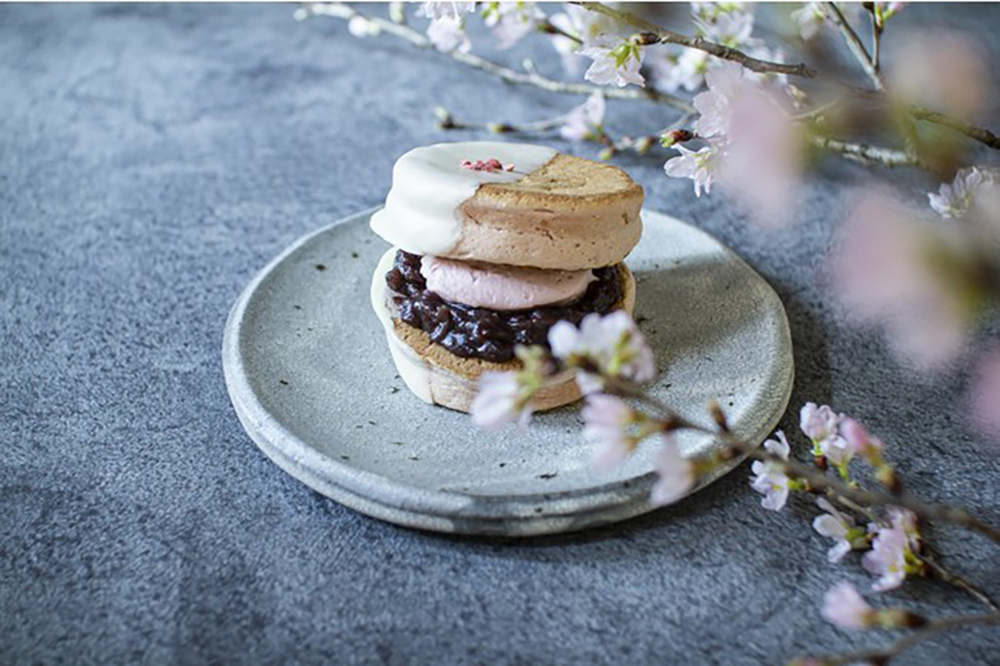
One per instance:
(676, 136)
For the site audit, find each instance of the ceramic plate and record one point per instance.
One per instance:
(310, 376)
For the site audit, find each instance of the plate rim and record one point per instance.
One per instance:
(439, 510)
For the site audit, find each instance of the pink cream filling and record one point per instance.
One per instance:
(498, 287)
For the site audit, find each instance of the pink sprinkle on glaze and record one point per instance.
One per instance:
(491, 165)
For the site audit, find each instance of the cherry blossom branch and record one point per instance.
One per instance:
(640, 145)
(818, 480)
(884, 654)
(867, 154)
(946, 576)
(877, 28)
(854, 43)
(506, 74)
(447, 121)
(981, 135)
(654, 34)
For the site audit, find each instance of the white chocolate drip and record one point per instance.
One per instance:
(429, 184)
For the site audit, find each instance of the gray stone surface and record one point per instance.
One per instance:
(153, 159)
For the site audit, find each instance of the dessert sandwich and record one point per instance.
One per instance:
(493, 243)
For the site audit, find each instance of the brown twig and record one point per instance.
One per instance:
(884, 654)
(946, 576)
(654, 34)
(978, 133)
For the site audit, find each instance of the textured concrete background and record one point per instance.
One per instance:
(152, 159)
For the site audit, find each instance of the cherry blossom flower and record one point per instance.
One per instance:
(845, 608)
(986, 394)
(584, 122)
(505, 397)
(608, 421)
(887, 558)
(439, 10)
(957, 198)
(769, 479)
(611, 346)
(725, 84)
(448, 34)
(818, 422)
(729, 24)
(676, 474)
(510, 21)
(840, 528)
(584, 24)
(882, 275)
(614, 64)
(698, 165)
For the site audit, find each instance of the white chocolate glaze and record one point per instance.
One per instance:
(429, 184)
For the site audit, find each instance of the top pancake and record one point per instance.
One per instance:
(553, 211)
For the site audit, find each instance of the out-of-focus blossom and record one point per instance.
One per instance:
(845, 608)
(609, 423)
(905, 521)
(361, 27)
(890, 9)
(762, 158)
(584, 122)
(676, 474)
(986, 394)
(510, 21)
(839, 527)
(440, 10)
(698, 165)
(614, 63)
(729, 24)
(763, 52)
(505, 397)
(499, 402)
(955, 199)
(944, 70)
(887, 558)
(769, 479)
(609, 346)
(729, 28)
(883, 275)
(710, 11)
(672, 72)
(860, 440)
(810, 18)
(448, 34)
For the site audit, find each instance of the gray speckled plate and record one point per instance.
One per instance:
(310, 376)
